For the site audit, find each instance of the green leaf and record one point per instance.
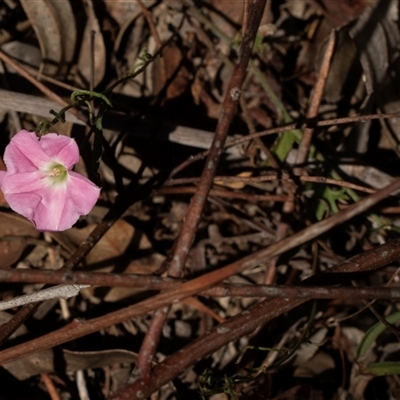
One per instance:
(373, 332)
(327, 201)
(79, 96)
(285, 143)
(383, 368)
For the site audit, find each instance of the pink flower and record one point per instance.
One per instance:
(39, 183)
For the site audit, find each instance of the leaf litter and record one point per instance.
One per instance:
(166, 67)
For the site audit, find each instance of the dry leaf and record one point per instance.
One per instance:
(376, 34)
(343, 11)
(169, 70)
(72, 360)
(111, 246)
(66, 22)
(16, 229)
(124, 13)
(54, 24)
(235, 185)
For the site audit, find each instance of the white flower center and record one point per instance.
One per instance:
(57, 174)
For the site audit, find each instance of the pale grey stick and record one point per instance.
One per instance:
(54, 292)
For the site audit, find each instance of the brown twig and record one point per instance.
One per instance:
(273, 131)
(229, 105)
(272, 177)
(80, 328)
(305, 142)
(144, 282)
(50, 386)
(315, 102)
(83, 250)
(247, 322)
(186, 235)
(226, 194)
(149, 345)
(150, 22)
(43, 88)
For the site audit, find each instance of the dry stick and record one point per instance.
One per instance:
(49, 93)
(19, 28)
(44, 89)
(271, 177)
(250, 222)
(249, 320)
(148, 347)
(292, 126)
(159, 45)
(149, 282)
(81, 328)
(252, 198)
(51, 389)
(272, 131)
(54, 292)
(195, 303)
(92, 62)
(192, 218)
(186, 235)
(315, 102)
(7, 329)
(312, 112)
(150, 22)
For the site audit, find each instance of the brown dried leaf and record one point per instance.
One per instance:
(229, 13)
(169, 70)
(16, 229)
(48, 32)
(344, 64)
(111, 246)
(370, 176)
(390, 103)
(376, 34)
(124, 13)
(341, 12)
(66, 21)
(73, 361)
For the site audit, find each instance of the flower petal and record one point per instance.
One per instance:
(24, 153)
(50, 208)
(54, 212)
(60, 148)
(24, 204)
(23, 182)
(23, 192)
(61, 208)
(33, 191)
(83, 192)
